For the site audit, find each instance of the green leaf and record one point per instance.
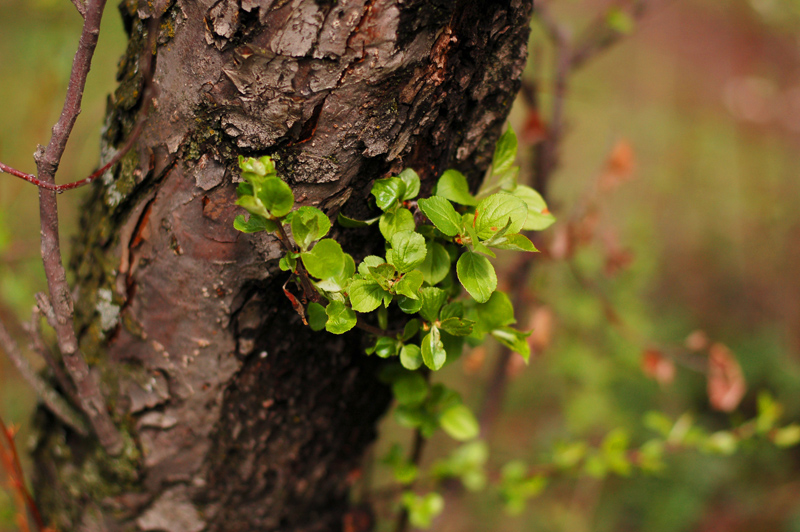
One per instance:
(409, 284)
(317, 317)
(326, 259)
(408, 305)
(452, 310)
(287, 263)
(253, 206)
(539, 216)
(453, 186)
(276, 196)
(309, 224)
(493, 214)
(394, 221)
(505, 152)
(411, 357)
(411, 180)
(473, 237)
(496, 312)
(436, 264)
(365, 295)
(514, 340)
(410, 389)
(784, 437)
(383, 317)
(344, 221)
(432, 300)
(457, 326)
(255, 224)
(477, 276)
(244, 189)
(408, 250)
(341, 318)
(433, 353)
(386, 347)
(370, 261)
(422, 509)
(388, 192)
(516, 242)
(410, 329)
(441, 212)
(459, 422)
(382, 274)
(619, 21)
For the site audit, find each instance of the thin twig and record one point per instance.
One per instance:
(92, 401)
(80, 6)
(17, 476)
(51, 398)
(37, 344)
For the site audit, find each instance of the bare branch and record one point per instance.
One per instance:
(37, 344)
(51, 399)
(80, 6)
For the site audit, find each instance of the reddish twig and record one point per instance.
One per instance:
(9, 457)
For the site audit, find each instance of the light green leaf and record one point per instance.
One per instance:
(386, 347)
(408, 305)
(505, 152)
(253, 206)
(255, 224)
(326, 259)
(475, 241)
(620, 21)
(394, 221)
(317, 317)
(516, 242)
(411, 179)
(370, 261)
(496, 312)
(477, 276)
(382, 274)
(432, 300)
(341, 318)
(453, 186)
(344, 221)
(539, 216)
(309, 224)
(408, 250)
(411, 356)
(459, 422)
(422, 509)
(441, 212)
(365, 296)
(493, 214)
(514, 340)
(433, 353)
(436, 264)
(410, 389)
(388, 192)
(411, 328)
(457, 326)
(287, 263)
(276, 196)
(409, 284)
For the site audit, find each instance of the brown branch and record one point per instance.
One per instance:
(80, 6)
(92, 401)
(51, 399)
(34, 330)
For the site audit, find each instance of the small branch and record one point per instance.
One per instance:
(599, 36)
(80, 7)
(52, 400)
(10, 460)
(37, 344)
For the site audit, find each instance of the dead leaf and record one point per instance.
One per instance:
(726, 384)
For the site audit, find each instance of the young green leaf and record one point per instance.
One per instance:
(516, 242)
(432, 300)
(253, 206)
(344, 221)
(341, 318)
(255, 224)
(409, 330)
(370, 261)
(505, 152)
(365, 295)
(441, 212)
(433, 353)
(539, 216)
(408, 305)
(309, 224)
(459, 422)
(411, 356)
(317, 317)
(457, 326)
(326, 259)
(493, 214)
(388, 192)
(276, 196)
(411, 180)
(514, 340)
(453, 186)
(287, 263)
(496, 312)
(408, 250)
(436, 264)
(383, 274)
(477, 276)
(394, 221)
(473, 237)
(422, 509)
(410, 389)
(386, 347)
(409, 284)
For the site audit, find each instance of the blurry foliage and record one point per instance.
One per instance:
(706, 94)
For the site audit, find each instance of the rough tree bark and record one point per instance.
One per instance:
(237, 417)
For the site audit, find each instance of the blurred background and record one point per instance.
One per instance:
(677, 197)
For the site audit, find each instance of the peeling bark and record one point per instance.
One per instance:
(236, 416)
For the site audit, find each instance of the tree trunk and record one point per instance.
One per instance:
(236, 416)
